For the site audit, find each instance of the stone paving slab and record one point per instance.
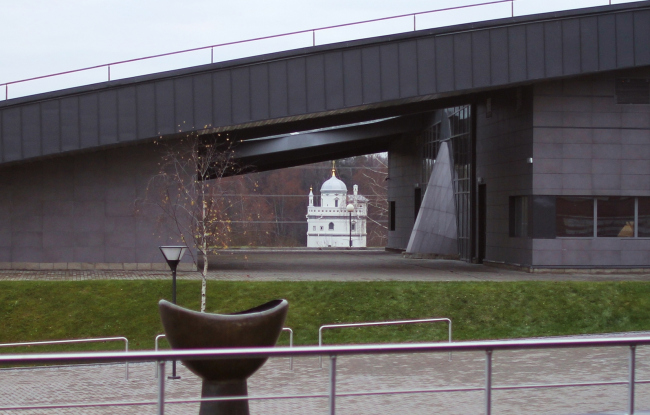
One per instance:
(338, 265)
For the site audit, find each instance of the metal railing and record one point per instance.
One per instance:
(379, 323)
(286, 329)
(313, 32)
(92, 340)
(488, 347)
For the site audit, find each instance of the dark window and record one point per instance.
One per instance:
(331, 226)
(615, 217)
(575, 216)
(632, 91)
(644, 217)
(519, 216)
(353, 226)
(418, 201)
(392, 216)
(336, 203)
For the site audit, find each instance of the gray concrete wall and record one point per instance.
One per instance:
(403, 174)
(503, 143)
(79, 212)
(587, 144)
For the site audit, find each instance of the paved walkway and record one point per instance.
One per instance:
(334, 265)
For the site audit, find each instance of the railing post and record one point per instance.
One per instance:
(212, 55)
(414, 22)
(332, 397)
(488, 382)
(126, 367)
(109, 72)
(630, 405)
(161, 388)
(313, 37)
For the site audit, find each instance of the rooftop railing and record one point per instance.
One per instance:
(313, 41)
(487, 347)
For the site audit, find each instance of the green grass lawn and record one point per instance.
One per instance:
(34, 311)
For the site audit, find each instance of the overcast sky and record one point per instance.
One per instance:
(40, 37)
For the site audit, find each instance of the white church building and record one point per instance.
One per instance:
(330, 224)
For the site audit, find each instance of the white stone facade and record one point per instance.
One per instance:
(328, 225)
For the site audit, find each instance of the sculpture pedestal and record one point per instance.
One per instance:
(215, 389)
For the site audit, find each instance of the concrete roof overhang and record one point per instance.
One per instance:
(328, 85)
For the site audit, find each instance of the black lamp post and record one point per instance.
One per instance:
(350, 208)
(173, 255)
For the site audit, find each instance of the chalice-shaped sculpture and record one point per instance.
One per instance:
(258, 327)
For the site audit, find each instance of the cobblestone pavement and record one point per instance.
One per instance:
(106, 384)
(335, 265)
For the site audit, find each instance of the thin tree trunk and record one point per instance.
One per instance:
(204, 274)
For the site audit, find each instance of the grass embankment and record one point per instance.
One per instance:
(34, 311)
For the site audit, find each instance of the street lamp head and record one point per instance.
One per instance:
(350, 208)
(173, 254)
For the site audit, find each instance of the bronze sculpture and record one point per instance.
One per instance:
(258, 327)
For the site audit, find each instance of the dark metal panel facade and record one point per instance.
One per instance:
(70, 124)
(334, 97)
(50, 127)
(315, 78)
(297, 86)
(535, 58)
(260, 92)
(164, 107)
(553, 48)
(89, 120)
(127, 115)
(352, 78)
(606, 42)
(371, 75)
(480, 60)
(588, 44)
(222, 98)
(624, 35)
(389, 71)
(278, 95)
(146, 110)
(241, 96)
(571, 51)
(202, 100)
(183, 105)
(408, 69)
(499, 55)
(31, 130)
(641, 37)
(463, 61)
(426, 53)
(11, 134)
(108, 117)
(427, 64)
(517, 53)
(444, 64)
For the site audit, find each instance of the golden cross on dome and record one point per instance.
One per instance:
(333, 169)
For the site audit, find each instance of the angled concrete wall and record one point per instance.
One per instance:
(434, 231)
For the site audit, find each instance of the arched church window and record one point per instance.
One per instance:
(336, 203)
(331, 226)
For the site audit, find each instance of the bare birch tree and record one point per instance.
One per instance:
(190, 190)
